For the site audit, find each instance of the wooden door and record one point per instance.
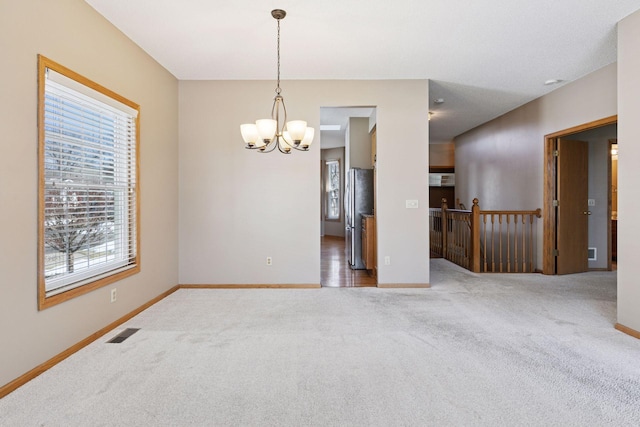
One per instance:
(572, 215)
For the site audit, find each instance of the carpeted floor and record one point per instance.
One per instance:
(474, 350)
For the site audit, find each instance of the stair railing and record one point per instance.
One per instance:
(484, 241)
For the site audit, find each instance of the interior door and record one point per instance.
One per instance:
(572, 215)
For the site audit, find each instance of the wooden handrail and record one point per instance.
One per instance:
(537, 212)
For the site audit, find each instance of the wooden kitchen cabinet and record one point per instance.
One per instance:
(369, 243)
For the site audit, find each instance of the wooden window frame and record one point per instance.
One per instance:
(104, 279)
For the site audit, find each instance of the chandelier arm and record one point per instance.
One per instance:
(274, 108)
(284, 109)
(273, 146)
(280, 148)
(278, 102)
(284, 141)
(299, 147)
(275, 114)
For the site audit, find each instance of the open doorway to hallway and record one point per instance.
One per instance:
(590, 246)
(348, 157)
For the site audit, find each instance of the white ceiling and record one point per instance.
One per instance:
(484, 58)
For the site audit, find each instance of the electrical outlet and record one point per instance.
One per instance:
(114, 295)
(591, 202)
(387, 260)
(269, 261)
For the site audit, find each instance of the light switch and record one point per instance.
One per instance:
(591, 202)
(412, 204)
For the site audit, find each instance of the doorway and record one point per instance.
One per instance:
(345, 143)
(577, 228)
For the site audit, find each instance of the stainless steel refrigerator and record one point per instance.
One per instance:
(358, 198)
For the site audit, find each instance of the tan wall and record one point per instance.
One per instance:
(501, 162)
(628, 171)
(237, 206)
(72, 33)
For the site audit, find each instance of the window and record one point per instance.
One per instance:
(88, 218)
(332, 188)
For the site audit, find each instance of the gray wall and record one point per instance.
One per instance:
(73, 34)
(501, 162)
(516, 141)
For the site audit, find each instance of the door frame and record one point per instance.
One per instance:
(550, 184)
(610, 187)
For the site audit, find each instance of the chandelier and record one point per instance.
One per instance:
(267, 134)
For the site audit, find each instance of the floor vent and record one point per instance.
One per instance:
(123, 335)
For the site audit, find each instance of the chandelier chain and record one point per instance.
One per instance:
(278, 90)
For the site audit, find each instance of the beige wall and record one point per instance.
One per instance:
(628, 171)
(72, 33)
(237, 206)
(501, 162)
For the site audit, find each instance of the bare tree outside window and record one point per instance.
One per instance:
(78, 210)
(77, 219)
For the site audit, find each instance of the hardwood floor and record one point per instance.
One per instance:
(335, 270)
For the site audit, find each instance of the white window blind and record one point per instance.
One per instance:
(89, 184)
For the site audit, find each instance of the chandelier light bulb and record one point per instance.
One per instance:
(249, 133)
(296, 129)
(308, 138)
(267, 129)
(284, 146)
